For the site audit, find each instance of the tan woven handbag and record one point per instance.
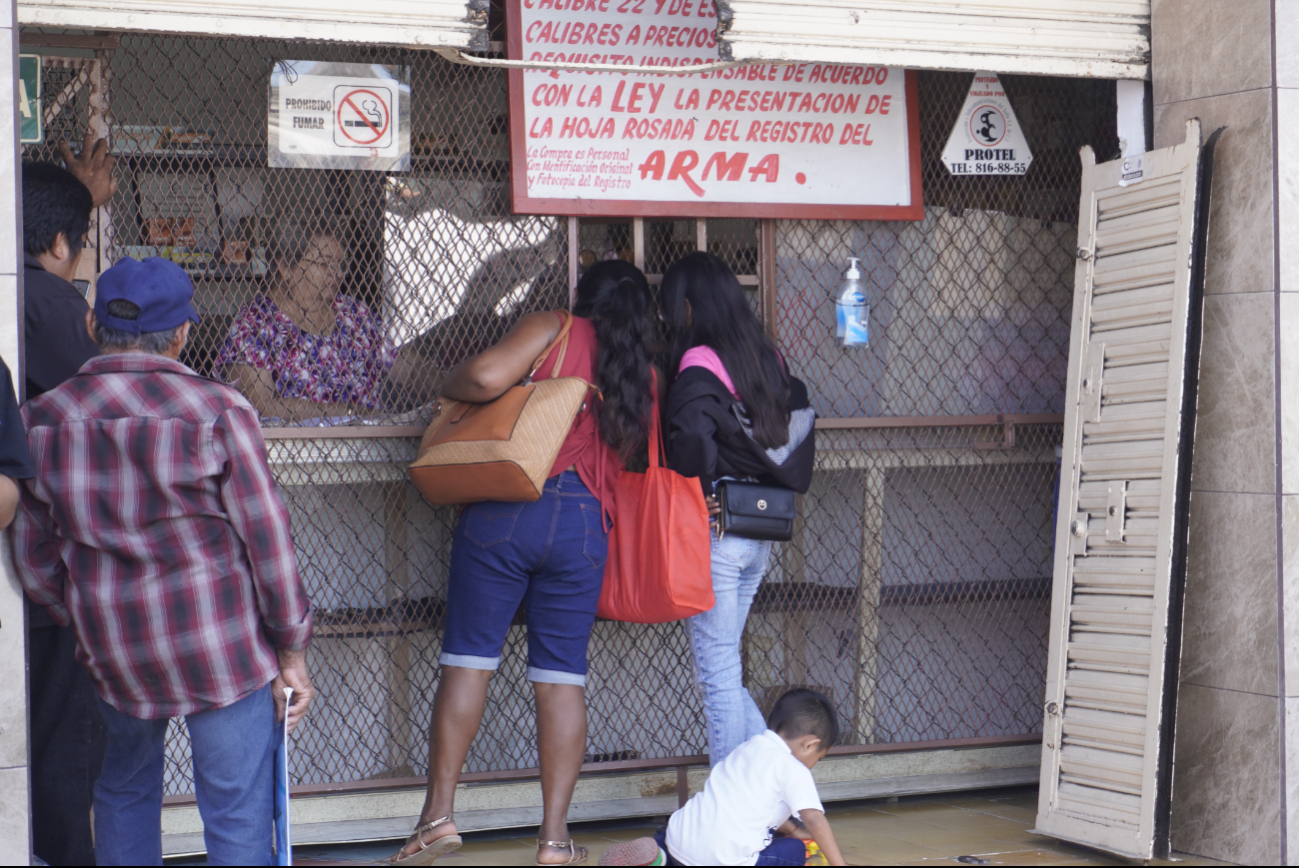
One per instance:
(503, 449)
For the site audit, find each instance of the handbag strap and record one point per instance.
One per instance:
(657, 458)
(561, 341)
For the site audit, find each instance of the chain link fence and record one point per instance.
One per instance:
(916, 590)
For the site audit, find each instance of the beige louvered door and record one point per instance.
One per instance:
(1104, 751)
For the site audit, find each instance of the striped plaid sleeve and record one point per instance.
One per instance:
(37, 558)
(262, 522)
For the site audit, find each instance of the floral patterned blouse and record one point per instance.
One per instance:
(347, 365)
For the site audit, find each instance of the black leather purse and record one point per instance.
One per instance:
(756, 511)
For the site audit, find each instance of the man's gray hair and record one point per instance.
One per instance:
(116, 341)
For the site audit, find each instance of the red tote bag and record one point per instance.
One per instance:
(660, 565)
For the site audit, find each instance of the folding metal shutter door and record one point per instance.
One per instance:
(1077, 38)
(433, 23)
(1103, 760)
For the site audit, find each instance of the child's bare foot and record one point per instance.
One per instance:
(642, 851)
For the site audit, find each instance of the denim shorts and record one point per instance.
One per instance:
(547, 555)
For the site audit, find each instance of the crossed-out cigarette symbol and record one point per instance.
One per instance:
(372, 116)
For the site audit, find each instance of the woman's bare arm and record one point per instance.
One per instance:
(487, 376)
(258, 386)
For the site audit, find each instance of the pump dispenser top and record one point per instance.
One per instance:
(853, 273)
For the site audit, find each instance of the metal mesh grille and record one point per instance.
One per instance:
(915, 591)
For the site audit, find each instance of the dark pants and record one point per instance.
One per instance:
(781, 851)
(547, 555)
(67, 741)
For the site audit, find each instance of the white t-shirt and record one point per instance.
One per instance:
(756, 788)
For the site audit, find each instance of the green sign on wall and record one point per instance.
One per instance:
(32, 130)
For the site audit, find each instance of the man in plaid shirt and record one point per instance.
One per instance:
(154, 528)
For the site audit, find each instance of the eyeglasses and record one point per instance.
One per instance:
(342, 266)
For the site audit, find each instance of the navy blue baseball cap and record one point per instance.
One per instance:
(159, 287)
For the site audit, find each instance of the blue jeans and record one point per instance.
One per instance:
(781, 851)
(733, 718)
(547, 555)
(234, 756)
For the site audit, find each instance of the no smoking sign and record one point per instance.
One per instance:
(339, 116)
(363, 116)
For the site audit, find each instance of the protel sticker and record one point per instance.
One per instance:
(987, 138)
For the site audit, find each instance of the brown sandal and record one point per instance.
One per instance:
(577, 855)
(428, 853)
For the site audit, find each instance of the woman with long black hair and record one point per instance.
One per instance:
(734, 412)
(547, 555)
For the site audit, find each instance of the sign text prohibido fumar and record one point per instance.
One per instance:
(806, 140)
(324, 115)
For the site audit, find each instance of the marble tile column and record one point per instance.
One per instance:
(1287, 435)
(15, 827)
(1232, 796)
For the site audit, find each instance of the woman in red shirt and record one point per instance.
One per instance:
(547, 555)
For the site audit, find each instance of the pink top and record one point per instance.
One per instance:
(706, 357)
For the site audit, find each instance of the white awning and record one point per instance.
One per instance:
(1079, 38)
(432, 23)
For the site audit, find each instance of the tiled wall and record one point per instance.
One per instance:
(13, 675)
(1212, 59)
(1287, 198)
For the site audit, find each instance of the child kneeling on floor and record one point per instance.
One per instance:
(761, 786)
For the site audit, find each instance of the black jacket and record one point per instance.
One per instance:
(706, 436)
(57, 344)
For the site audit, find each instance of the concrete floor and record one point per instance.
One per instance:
(976, 828)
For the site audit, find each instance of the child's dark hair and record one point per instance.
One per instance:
(805, 712)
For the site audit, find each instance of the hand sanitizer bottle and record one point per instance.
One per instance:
(851, 312)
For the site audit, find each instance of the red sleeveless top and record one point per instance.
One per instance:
(597, 465)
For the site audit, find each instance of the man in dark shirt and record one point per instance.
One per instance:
(67, 737)
(56, 217)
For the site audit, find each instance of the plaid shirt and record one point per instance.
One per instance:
(154, 527)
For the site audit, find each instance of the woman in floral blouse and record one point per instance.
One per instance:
(304, 350)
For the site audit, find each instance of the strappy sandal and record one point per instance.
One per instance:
(428, 853)
(577, 855)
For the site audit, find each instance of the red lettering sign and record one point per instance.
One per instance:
(768, 140)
